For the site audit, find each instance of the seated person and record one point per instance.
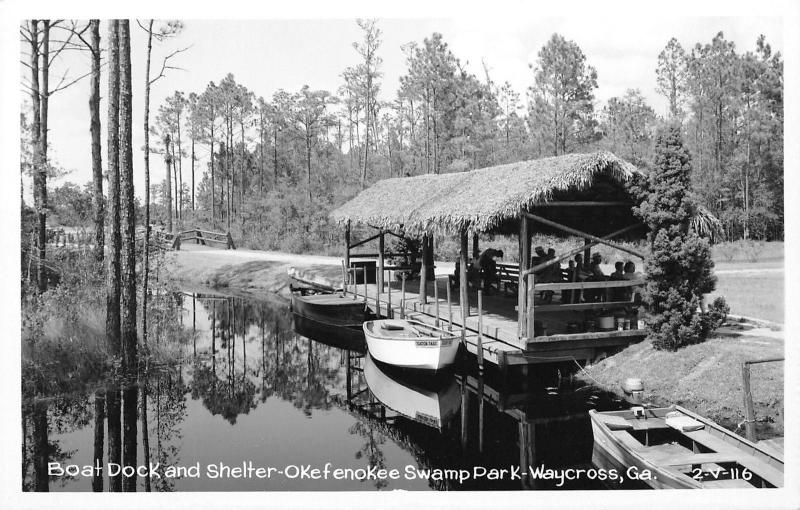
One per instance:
(538, 257)
(617, 293)
(632, 293)
(566, 295)
(595, 275)
(488, 267)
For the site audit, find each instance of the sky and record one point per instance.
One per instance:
(268, 55)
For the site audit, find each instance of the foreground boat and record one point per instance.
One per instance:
(681, 449)
(410, 344)
(432, 401)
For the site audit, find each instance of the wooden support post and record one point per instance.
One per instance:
(749, 412)
(475, 248)
(522, 441)
(522, 287)
(403, 296)
(464, 413)
(480, 330)
(436, 299)
(449, 309)
(389, 311)
(352, 271)
(344, 279)
(423, 273)
(462, 277)
(587, 251)
(381, 249)
(347, 244)
(364, 274)
(530, 307)
(377, 295)
(480, 413)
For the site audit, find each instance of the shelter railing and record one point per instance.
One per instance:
(603, 301)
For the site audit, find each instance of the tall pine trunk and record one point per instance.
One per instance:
(146, 276)
(113, 273)
(94, 130)
(167, 160)
(36, 132)
(128, 216)
(128, 304)
(213, 186)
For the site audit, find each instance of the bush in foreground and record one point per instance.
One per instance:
(679, 268)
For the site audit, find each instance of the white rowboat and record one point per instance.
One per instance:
(410, 344)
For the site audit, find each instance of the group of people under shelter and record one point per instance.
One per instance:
(484, 269)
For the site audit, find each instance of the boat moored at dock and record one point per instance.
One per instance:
(681, 450)
(411, 344)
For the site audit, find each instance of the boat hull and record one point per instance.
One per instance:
(609, 454)
(332, 308)
(350, 338)
(425, 353)
(674, 444)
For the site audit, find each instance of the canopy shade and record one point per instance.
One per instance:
(489, 198)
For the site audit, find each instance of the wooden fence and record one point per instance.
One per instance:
(204, 237)
(169, 241)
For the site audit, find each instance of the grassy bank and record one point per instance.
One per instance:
(706, 378)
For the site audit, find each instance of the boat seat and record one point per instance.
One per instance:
(615, 422)
(391, 325)
(682, 422)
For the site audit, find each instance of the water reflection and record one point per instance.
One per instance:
(429, 400)
(246, 387)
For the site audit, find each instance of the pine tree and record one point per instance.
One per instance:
(679, 269)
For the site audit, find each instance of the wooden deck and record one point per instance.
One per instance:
(501, 343)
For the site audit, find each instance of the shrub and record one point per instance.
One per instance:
(679, 267)
(716, 315)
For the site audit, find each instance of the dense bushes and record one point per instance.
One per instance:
(679, 267)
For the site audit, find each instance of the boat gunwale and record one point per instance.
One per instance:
(669, 469)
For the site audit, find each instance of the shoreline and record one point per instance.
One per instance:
(704, 377)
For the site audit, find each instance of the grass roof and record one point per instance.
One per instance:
(478, 200)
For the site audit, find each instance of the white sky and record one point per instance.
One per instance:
(268, 55)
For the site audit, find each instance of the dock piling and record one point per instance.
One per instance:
(403, 296)
(344, 279)
(389, 311)
(449, 310)
(480, 330)
(436, 298)
(378, 290)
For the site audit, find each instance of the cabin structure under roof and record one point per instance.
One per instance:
(585, 196)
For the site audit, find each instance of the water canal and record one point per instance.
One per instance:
(253, 388)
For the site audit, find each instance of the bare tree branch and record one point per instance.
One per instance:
(63, 78)
(165, 64)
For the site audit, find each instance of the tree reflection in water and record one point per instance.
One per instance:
(236, 355)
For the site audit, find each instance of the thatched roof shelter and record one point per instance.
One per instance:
(488, 199)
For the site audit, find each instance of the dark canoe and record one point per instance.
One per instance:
(692, 453)
(330, 308)
(350, 338)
